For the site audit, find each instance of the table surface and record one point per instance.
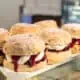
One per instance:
(75, 75)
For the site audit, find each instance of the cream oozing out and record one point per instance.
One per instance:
(8, 58)
(40, 56)
(24, 59)
(57, 47)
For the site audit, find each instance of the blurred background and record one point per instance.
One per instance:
(63, 11)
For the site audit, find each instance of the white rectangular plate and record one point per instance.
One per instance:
(25, 75)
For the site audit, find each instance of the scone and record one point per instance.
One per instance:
(24, 53)
(57, 43)
(23, 28)
(47, 24)
(3, 37)
(74, 30)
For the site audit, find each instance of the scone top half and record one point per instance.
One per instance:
(23, 28)
(3, 36)
(25, 49)
(56, 39)
(23, 44)
(74, 30)
(47, 24)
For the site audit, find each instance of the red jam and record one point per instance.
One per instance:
(3, 56)
(67, 47)
(1, 53)
(78, 41)
(15, 62)
(31, 62)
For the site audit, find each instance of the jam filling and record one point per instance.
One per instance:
(77, 40)
(3, 56)
(31, 62)
(1, 53)
(15, 62)
(67, 47)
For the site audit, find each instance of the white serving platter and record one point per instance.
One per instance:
(26, 75)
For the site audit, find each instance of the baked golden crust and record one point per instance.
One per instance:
(25, 68)
(76, 49)
(22, 28)
(57, 57)
(55, 37)
(3, 36)
(47, 23)
(73, 29)
(24, 44)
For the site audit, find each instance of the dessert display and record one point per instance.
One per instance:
(58, 44)
(24, 28)
(74, 30)
(24, 53)
(28, 48)
(3, 37)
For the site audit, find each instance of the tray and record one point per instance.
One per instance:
(26, 75)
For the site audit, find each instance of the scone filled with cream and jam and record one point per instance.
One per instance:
(3, 37)
(57, 43)
(74, 30)
(24, 52)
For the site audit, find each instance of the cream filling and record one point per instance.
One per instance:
(57, 47)
(8, 58)
(40, 56)
(24, 59)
